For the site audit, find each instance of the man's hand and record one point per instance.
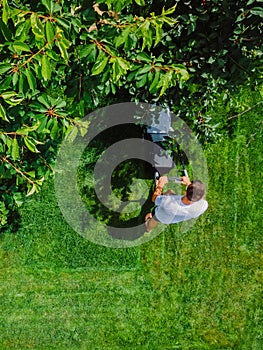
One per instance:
(162, 181)
(186, 181)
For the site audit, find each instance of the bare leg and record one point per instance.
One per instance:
(150, 223)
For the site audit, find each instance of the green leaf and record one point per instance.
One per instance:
(150, 77)
(9, 143)
(142, 81)
(50, 123)
(71, 133)
(6, 82)
(51, 6)
(61, 37)
(21, 84)
(46, 68)
(53, 55)
(23, 30)
(144, 57)
(15, 149)
(131, 42)
(158, 34)
(31, 144)
(6, 9)
(48, 5)
(3, 113)
(165, 82)
(3, 214)
(122, 37)
(181, 70)
(36, 106)
(42, 125)
(5, 31)
(63, 49)
(31, 79)
(15, 78)
(31, 190)
(258, 11)
(54, 133)
(20, 46)
(81, 108)
(117, 4)
(88, 50)
(63, 22)
(131, 75)
(113, 88)
(100, 64)
(8, 94)
(169, 11)
(83, 127)
(4, 67)
(153, 86)
(170, 21)
(124, 64)
(116, 69)
(31, 173)
(144, 69)
(3, 137)
(50, 32)
(18, 198)
(60, 104)
(147, 34)
(44, 100)
(11, 98)
(26, 129)
(140, 2)
(37, 26)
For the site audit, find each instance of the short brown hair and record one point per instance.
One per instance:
(195, 191)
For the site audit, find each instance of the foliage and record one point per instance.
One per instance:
(221, 44)
(61, 59)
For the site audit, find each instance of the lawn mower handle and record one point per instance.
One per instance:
(175, 178)
(178, 179)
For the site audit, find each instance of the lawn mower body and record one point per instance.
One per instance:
(158, 132)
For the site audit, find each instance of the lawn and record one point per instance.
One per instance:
(193, 291)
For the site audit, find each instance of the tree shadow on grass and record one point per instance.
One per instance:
(131, 185)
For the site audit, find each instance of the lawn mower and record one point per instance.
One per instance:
(167, 157)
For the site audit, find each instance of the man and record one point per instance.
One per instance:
(171, 208)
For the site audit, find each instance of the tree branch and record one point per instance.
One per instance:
(247, 110)
(4, 159)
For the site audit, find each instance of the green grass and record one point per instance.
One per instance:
(192, 291)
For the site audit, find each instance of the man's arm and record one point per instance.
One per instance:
(162, 181)
(186, 181)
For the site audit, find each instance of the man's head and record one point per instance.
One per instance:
(195, 191)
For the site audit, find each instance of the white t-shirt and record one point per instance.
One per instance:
(170, 209)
